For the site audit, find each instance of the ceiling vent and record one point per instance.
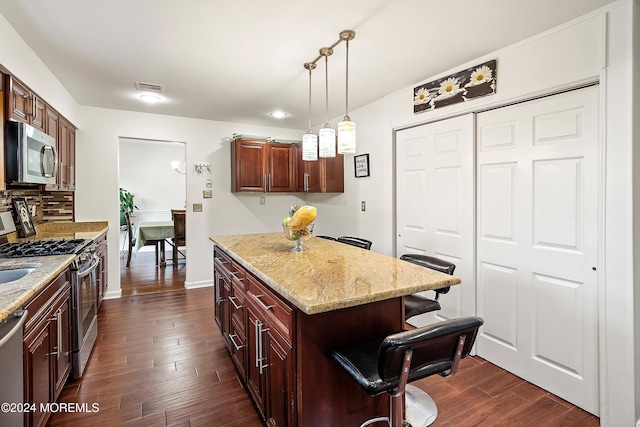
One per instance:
(150, 87)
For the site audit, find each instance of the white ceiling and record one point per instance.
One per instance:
(239, 60)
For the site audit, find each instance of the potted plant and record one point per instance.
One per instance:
(126, 204)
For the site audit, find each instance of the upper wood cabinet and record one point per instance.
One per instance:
(24, 105)
(325, 175)
(262, 166)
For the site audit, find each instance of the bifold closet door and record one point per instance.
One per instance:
(435, 205)
(537, 222)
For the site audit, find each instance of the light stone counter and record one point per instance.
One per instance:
(14, 294)
(329, 275)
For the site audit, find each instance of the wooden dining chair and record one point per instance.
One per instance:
(131, 238)
(178, 216)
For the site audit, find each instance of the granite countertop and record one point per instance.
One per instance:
(14, 294)
(329, 275)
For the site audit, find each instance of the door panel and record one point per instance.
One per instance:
(537, 193)
(435, 202)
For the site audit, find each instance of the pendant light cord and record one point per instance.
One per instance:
(326, 87)
(309, 128)
(347, 84)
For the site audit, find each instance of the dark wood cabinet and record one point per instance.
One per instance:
(258, 328)
(103, 269)
(325, 175)
(24, 105)
(47, 347)
(262, 166)
(66, 155)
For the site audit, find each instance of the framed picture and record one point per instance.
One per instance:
(361, 165)
(25, 226)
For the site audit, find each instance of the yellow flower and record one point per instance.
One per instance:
(480, 75)
(449, 87)
(421, 97)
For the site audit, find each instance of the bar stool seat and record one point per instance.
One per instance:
(386, 364)
(416, 304)
(355, 241)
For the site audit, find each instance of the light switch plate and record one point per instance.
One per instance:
(207, 194)
(208, 183)
(197, 207)
(363, 206)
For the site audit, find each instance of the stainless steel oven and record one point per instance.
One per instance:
(84, 308)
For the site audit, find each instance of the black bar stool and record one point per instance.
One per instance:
(327, 237)
(415, 304)
(355, 241)
(388, 363)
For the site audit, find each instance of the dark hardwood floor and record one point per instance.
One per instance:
(160, 361)
(143, 277)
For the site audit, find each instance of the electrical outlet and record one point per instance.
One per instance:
(363, 206)
(197, 207)
(207, 194)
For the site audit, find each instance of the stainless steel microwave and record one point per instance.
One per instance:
(31, 155)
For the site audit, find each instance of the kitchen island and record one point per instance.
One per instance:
(281, 313)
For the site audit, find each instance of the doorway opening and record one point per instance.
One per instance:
(152, 172)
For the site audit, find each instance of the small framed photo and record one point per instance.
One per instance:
(25, 226)
(361, 165)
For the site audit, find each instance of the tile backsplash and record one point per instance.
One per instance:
(50, 205)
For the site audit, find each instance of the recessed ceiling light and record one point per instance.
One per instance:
(279, 114)
(150, 98)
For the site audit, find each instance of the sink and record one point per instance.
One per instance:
(14, 274)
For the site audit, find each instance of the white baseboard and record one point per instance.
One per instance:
(201, 284)
(113, 294)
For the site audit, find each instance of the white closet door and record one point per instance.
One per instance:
(435, 205)
(537, 242)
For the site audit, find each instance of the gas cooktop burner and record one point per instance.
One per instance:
(42, 248)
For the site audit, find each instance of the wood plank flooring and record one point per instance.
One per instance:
(160, 361)
(143, 277)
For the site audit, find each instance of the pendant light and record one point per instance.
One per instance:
(327, 133)
(347, 128)
(309, 139)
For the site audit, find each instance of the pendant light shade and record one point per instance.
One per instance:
(347, 128)
(327, 141)
(327, 134)
(309, 146)
(309, 140)
(346, 136)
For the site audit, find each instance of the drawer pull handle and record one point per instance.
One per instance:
(233, 341)
(240, 279)
(232, 300)
(266, 307)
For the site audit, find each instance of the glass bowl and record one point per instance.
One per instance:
(298, 236)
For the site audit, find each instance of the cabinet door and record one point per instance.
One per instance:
(332, 174)
(37, 390)
(217, 306)
(281, 407)
(307, 173)
(255, 359)
(19, 101)
(63, 146)
(280, 170)
(38, 116)
(61, 339)
(249, 166)
(71, 159)
(51, 122)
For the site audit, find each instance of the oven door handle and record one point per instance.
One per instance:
(89, 270)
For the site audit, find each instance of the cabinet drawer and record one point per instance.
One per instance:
(238, 346)
(279, 314)
(40, 305)
(237, 303)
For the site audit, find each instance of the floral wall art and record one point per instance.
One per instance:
(471, 83)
